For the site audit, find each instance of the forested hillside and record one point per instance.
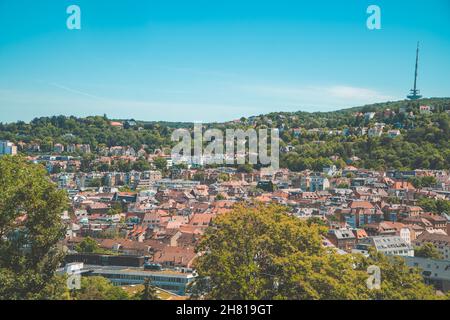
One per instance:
(309, 140)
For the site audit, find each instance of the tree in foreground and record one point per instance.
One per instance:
(30, 227)
(160, 163)
(149, 292)
(260, 252)
(427, 250)
(99, 288)
(87, 245)
(398, 281)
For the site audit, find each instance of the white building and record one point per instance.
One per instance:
(435, 272)
(331, 171)
(314, 183)
(7, 148)
(405, 234)
(376, 130)
(369, 115)
(391, 245)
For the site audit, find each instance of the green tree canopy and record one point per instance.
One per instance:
(30, 227)
(427, 250)
(436, 206)
(87, 245)
(398, 281)
(423, 182)
(149, 292)
(245, 168)
(260, 252)
(160, 163)
(99, 288)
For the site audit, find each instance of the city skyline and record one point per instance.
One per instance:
(214, 62)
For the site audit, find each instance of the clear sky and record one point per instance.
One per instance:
(215, 60)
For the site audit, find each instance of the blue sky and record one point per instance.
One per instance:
(183, 60)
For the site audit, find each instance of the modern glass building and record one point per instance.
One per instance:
(170, 280)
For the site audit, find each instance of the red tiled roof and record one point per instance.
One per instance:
(361, 205)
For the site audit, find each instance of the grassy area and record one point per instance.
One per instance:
(162, 294)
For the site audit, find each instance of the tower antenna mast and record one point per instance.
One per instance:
(415, 93)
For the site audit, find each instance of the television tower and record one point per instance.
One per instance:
(415, 93)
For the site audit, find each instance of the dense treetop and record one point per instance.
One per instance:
(30, 228)
(260, 252)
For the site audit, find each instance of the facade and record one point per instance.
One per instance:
(7, 148)
(147, 179)
(360, 213)
(391, 245)
(331, 171)
(405, 234)
(173, 281)
(315, 182)
(63, 181)
(369, 115)
(58, 148)
(297, 132)
(343, 239)
(435, 272)
(440, 241)
(376, 130)
(175, 184)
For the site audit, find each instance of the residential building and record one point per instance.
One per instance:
(314, 182)
(376, 130)
(425, 109)
(393, 133)
(7, 148)
(440, 241)
(435, 272)
(360, 213)
(390, 245)
(369, 115)
(343, 239)
(58, 148)
(331, 171)
(437, 221)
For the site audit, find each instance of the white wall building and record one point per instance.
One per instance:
(7, 148)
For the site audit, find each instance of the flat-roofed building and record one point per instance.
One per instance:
(175, 281)
(390, 245)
